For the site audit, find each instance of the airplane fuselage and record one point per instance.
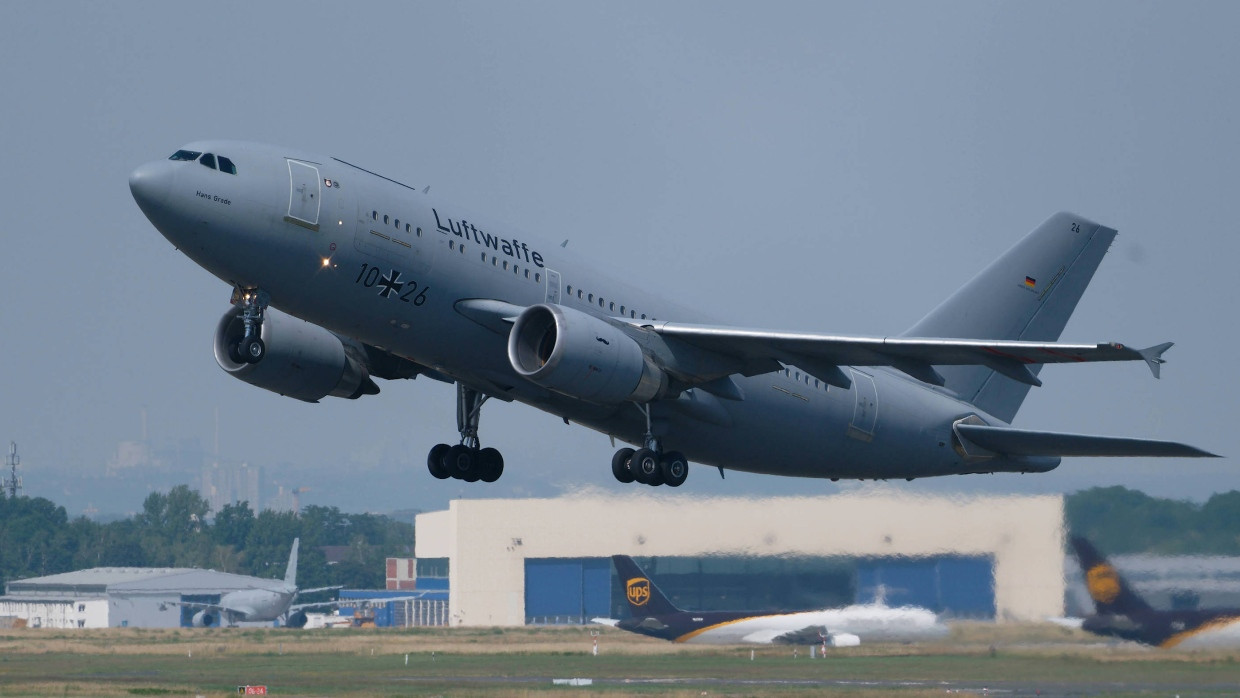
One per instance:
(869, 623)
(390, 266)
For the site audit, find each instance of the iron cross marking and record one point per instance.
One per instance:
(391, 283)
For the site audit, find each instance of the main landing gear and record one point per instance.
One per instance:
(650, 465)
(466, 461)
(249, 349)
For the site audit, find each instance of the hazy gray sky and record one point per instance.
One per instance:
(813, 166)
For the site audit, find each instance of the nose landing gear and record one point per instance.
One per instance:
(650, 465)
(250, 349)
(466, 461)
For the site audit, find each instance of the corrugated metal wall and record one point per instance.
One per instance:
(955, 586)
(566, 591)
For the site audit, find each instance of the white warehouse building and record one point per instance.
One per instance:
(104, 597)
(516, 561)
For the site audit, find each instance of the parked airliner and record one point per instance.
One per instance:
(268, 600)
(1121, 612)
(651, 613)
(340, 275)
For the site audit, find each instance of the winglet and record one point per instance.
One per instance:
(1153, 357)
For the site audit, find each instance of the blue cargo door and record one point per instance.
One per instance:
(571, 591)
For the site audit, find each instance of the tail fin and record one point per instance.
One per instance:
(1111, 594)
(643, 596)
(290, 574)
(1027, 294)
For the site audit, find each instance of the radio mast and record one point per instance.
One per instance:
(12, 482)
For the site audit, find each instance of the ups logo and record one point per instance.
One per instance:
(1103, 583)
(638, 590)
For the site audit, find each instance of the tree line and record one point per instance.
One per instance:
(176, 529)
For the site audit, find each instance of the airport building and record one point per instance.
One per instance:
(111, 597)
(516, 561)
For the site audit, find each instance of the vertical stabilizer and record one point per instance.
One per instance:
(290, 574)
(643, 596)
(1027, 294)
(1111, 594)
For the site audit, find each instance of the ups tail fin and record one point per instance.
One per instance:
(1027, 294)
(643, 596)
(1111, 594)
(290, 573)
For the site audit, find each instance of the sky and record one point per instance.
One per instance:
(817, 166)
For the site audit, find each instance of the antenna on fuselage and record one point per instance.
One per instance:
(427, 190)
(565, 243)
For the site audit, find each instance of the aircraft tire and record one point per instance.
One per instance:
(674, 468)
(253, 349)
(234, 352)
(620, 465)
(461, 461)
(434, 462)
(491, 464)
(645, 466)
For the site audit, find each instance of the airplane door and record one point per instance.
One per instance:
(303, 195)
(553, 286)
(865, 411)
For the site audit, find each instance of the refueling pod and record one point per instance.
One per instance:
(302, 361)
(582, 356)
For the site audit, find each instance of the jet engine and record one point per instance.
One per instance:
(296, 619)
(581, 356)
(203, 619)
(302, 361)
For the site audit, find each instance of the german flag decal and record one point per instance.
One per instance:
(1030, 282)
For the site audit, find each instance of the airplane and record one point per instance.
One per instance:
(1121, 612)
(340, 275)
(269, 600)
(654, 615)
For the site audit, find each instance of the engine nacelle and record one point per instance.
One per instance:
(203, 619)
(296, 619)
(303, 360)
(581, 356)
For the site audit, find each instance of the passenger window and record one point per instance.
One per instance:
(590, 298)
(622, 310)
(396, 223)
(374, 215)
(527, 273)
(570, 289)
(419, 232)
(227, 165)
(633, 314)
(578, 294)
(406, 227)
(185, 155)
(600, 301)
(611, 307)
(385, 219)
(643, 316)
(505, 265)
(451, 245)
(208, 159)
(537, 277)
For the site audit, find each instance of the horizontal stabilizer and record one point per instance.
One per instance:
(1021, 442)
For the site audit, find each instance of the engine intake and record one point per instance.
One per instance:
(581, 356)
(203, 619)
(303, 361)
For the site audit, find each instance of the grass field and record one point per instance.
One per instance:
(1005, 660)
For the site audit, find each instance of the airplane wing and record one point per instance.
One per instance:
(821, 355)
(613, 622)
(212, 607)
(311, 591)
(1023, 442)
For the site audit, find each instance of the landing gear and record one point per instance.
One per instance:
(650, 465)
(250, 349)
(466, 461)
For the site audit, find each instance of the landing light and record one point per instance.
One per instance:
(326, 262)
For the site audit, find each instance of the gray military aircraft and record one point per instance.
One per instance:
(373, 278)
(268, 600)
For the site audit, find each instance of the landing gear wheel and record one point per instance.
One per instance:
(674, 468)
(620, 465)
(234, 352)
(462, 462)
(252, 349)
(645, 467)
(491, 464)
(434, 462)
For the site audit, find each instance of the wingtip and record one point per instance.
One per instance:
(1153, 357)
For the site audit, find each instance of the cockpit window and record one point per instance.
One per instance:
(208, 159)
(227, 165)
(185, 155)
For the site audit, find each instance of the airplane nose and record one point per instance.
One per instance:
(149, 184)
